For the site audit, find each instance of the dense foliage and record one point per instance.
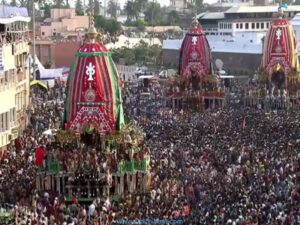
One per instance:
(140, 54)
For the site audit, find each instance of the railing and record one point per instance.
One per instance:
(20, 76)
(142, 165)
(52, 167)
(5, 86)
(14, 124)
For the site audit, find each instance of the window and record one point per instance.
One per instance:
(247, 26)
(19, 101)
(237, 26)
(262, 25)
(6, 121)
(241, 25)
(14, 114)
(268, 25)
(43, 33)
(252, 25)
(6, 75)
(1, 122)
(257, 25)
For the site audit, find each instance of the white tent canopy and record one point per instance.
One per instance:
(47, 74)
(51, 74)
(49, 132)
(29, 62)
(146, 77)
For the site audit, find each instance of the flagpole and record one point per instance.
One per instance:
(33, 27)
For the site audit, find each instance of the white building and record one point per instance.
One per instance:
(239, 29)
(127, 73)
(130, 42)
(14, 76)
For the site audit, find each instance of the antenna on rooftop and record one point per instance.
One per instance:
(92, 32)
(91, 14)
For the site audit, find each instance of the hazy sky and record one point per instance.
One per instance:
(122, 2)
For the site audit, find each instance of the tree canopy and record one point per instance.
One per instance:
(140, 54)
(111, 26)
(79, 8)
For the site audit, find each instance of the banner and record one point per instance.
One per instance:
(132, 166)
(39, 156)
(52, 167)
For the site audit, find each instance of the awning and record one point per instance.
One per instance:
(146, 77)
(37, 82)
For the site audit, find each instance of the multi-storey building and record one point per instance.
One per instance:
(14, 75)
(235, 36)
(63, 23)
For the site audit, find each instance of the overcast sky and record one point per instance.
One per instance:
(122, 2)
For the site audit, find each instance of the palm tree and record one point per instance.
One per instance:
(173, 17)
(130, 10)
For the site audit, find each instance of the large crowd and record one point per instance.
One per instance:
(234, 165)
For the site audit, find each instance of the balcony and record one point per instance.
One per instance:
(3, 131)
(20, 76)
(6, 86)
(20, 47)
(14, 124)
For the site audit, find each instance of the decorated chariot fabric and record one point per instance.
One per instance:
(94, 74)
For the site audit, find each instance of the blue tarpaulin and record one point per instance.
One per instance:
(9, 14)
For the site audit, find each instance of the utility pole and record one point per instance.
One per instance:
(152, 15)
(33, 21)
(104, 8)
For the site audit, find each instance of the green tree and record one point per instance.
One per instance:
(154, 54)
(47, 10)
(13, 3)
(107, 25)
(141, 5)
(141, 53)
(134, 8)
(125, 54)
(23, 3)
(173, 18)
(58, 4)
(67, 4)
(196, 6)
(97, 7)
(199, 6)
(29, 4)
(113, 8)
(141, 25)
(79, 8)
(112, 26)
(153, 13)
(131, 10)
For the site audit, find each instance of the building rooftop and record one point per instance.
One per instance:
(172, 44)
(219, 46)
(296, 20)
(261, 9)
(130, 42)
(10, 14)
(211, 15)
(160, 29)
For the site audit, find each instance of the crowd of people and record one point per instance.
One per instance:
(234, 165)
